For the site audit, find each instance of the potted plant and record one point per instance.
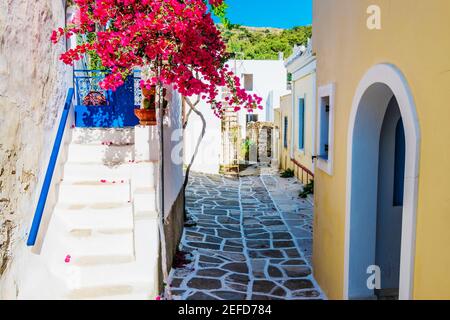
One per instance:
(147, 112)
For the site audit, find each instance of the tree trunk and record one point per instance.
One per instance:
(199, 141)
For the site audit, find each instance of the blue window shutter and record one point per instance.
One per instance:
(301, 123)
(399, 165)
(285, 132)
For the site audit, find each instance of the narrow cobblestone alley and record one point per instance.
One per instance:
(252, 241)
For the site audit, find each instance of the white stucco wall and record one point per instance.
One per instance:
(208, 157)
(33, 85)
(269, 79)
(173, 153)
(269, 82)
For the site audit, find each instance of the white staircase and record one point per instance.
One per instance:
(99, 243)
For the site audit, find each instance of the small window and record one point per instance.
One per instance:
(301, 124)
(289, 81)
(248, 82)
(324, 127)
(285, 132)
(325, 131)
(399, 164)
(252, 118)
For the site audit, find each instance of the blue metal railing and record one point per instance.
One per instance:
(86, 80)
(50, 170)
(117, 111)
(89, 80)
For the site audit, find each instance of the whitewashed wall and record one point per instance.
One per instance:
(269, 82)
(269, 79)
(208, 157)
(33, 85)
(173, 153)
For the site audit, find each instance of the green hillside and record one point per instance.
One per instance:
(263, 43)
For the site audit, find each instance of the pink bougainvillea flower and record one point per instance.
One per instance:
(67, 259)
(103, 181)
(177, 40)
(158, 298)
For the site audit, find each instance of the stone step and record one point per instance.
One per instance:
(96, 172)
(118, 136)
(89, 222)
(117, 293)
(127, 281)
(102, 241)
(110, 281)
(100, 154)
(87, 251)
(85, 193)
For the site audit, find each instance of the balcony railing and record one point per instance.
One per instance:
(119, 105)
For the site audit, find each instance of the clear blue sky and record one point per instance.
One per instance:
(270, 13)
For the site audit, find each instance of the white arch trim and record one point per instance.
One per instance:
(392, 77)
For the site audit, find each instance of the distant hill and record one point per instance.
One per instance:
(263, 43)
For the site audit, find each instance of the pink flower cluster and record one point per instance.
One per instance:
(177, 38)
(216, 3)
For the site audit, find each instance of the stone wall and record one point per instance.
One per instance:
(33, 85)
(173, 229)
(260, 136)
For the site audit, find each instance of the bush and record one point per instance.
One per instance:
(263, 43)
(245, 148)
(288, 173)
(307, 189)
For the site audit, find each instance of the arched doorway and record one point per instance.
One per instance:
(382, 174)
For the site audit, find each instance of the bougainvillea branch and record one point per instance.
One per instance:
(176, 40)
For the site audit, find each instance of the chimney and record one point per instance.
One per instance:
(280, 55)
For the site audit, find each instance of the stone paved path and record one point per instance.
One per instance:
(252, 241)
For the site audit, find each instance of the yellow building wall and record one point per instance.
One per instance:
(304, 88)
(415, 37)
(285, 110)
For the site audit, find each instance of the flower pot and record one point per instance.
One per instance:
(148, 93)
(147, 117)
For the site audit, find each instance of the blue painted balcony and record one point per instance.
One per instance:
(111, 109)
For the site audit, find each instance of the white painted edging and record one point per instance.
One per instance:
(392, 77)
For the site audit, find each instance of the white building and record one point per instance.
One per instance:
(266, 78)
